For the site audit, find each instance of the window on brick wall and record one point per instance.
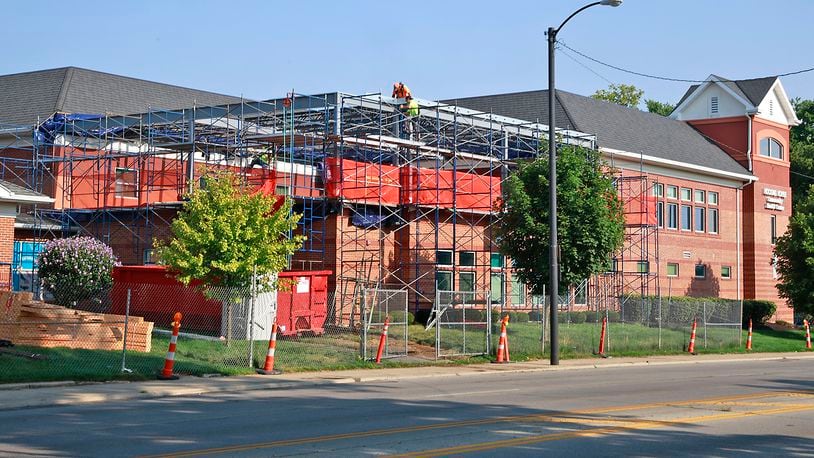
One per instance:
(712, 220)
(672, 216)
(466, 281)
(496, 260)
(700, 271)
(700, 219)
(726, 272)
(672, 269)
(443, 257)
(466, 258)
(443, 281)
(518, 293)
(770, 147)
(713, 198)
(773, 229)
(686, 218)
(660, 213)
(672, 192)
(126, 182)
(496, 288)
(686, 194)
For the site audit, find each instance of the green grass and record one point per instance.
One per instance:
(340, 351)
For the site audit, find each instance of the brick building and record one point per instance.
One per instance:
(408, 203)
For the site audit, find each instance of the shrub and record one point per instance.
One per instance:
(577, 317)
(76, 268)
(759, 311)
(398, 316)
(535, 315)
(518, 317)
(614, 317)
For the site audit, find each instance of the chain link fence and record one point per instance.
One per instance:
(377, 306)
(463, 323)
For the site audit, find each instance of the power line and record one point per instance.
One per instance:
(665, 78)
(568, 55)
(802, 175)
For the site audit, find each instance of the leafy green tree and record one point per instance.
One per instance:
(590, 218)
(802, 150)
(620, 94)
(659, 108)
(795, 257)
(224, 232)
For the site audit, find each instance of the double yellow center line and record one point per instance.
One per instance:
(561, 417)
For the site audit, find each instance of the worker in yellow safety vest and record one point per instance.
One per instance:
(411, 110)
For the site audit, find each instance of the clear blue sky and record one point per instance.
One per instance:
(441, 48)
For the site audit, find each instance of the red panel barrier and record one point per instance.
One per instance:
(640, 211)
(444, 188)
(362, 181)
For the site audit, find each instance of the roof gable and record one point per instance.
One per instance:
(28, 97)
(616, 127)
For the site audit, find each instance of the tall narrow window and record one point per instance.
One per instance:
(126, 182)
(700, 219)
(658, 190)
(686, 218)
(496, 288)
(672, 216)
(773, 229)
(518, 293)
(660, 213)
(466, 281)
(443, 281)
(712, 223)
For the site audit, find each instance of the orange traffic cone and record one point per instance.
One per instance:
(503, 343)
(602, 338)
(691, 348)
(382, 340)
(268, 367)
(749, 337)
(169, 361)
(808, 334)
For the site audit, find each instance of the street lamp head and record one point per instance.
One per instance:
(610, 2)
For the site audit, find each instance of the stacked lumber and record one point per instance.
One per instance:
(28, 322)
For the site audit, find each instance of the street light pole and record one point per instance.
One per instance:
(554, 247)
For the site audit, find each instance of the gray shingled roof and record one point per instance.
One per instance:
(26, 96)
(616, 127)
(754, 90)
(20, 190)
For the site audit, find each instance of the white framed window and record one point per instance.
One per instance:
(686, 218)
(712, 198)
(443, 281)
(770, 147)
(773, 229)
(686, 194)
(660, 213)
(658, 190)
(700, 196)
(726, 272)
(700, 219)
(466, 259)
(672, 269)
(466, 281)
(518, 293)
(672, 216)
(672, 192)
(496, 288)
(443, 257)
(126, 182)
(712, 220)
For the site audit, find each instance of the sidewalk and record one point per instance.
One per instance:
(19, 396)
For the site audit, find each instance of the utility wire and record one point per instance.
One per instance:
(802, 175)
(583, 65)
(666, 78)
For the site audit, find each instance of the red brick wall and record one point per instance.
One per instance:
(6, 239)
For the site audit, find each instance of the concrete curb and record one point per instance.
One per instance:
(47, 394)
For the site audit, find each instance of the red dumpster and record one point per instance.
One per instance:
(302, 301)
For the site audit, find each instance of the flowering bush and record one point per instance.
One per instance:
(76, 268)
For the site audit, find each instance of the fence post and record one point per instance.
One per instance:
(660, 318)
(705, 324)
(124, 343)
(253, 293)
(542, 325)
(363, 327)
(437, 322)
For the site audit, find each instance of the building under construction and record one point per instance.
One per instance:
(388, 200)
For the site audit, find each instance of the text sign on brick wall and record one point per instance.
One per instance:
(775, 199)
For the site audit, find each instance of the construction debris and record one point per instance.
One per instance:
(28, 322)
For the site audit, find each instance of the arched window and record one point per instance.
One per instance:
(770, 147)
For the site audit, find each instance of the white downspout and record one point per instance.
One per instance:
(749, 141)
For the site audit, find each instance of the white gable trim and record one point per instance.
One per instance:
(697, 93)
(677, 165)
(788, 108)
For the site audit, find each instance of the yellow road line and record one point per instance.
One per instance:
(642, 424)
(462, 423)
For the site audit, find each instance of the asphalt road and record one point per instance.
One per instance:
(722, 409)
